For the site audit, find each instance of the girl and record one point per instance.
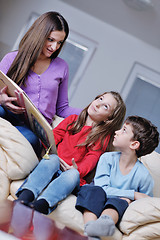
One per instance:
(38, 70)
(80, 141)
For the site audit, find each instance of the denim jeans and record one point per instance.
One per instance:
(46, 184)
(17, 121)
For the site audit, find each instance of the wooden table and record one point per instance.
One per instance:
(24, 223)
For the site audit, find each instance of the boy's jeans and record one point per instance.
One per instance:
(52, 188)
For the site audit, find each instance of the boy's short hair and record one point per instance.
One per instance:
(144, 132)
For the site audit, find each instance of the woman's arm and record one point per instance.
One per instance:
(6, 62)
(63, 109)
(5, 100)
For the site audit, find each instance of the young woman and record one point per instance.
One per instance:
(38, 70)
(80, 142)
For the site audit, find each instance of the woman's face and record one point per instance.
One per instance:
(53, 42)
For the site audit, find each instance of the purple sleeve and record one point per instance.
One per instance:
(7, 61)
(62, 108)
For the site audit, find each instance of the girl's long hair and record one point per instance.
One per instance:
(104, 128)
(32, 44)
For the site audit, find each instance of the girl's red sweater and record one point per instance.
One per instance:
(85, 158)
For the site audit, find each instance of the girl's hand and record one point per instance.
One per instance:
(74, 163)
(138, 195)
(65, 166)
(6, 102)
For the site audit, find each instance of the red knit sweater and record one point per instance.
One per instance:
(85, 158)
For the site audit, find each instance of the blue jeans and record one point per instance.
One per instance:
(18, 121)
(49, 183)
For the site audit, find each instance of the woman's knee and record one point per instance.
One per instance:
(28, 134)
(2, 112)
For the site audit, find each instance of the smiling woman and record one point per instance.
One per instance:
(52, 44)
(38, 70)
(77, 51)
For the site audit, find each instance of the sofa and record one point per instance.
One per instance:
(17, 159)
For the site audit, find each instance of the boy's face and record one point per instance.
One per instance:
(123, 138)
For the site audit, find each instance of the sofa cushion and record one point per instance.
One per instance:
(17, 157)
(146, 232)
(67, 214)
(14, 187)
(4, 185)
(140, 213)
(152, 162)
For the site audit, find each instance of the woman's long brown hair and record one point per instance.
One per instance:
(102, 129)
(32, 44)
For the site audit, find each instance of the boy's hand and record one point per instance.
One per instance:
(138, 195)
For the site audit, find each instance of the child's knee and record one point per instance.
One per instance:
(53, 161)
(74, 175)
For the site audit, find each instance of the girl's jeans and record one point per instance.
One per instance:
(17, 121)
(49, 183)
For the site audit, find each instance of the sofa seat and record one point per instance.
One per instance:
(140, 221)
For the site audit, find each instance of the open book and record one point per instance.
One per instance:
(33, 117)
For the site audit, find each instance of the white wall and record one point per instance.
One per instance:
(113, 59)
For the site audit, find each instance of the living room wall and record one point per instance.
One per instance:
(111, 63)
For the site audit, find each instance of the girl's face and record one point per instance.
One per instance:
(102, 108)
(53, 42)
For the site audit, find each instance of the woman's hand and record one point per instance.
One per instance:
(6, 102)
(65, 166)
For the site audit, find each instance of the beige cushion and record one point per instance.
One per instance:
(17, 157)
(4, 185)
(152, 162)
(145, 232)
(14, 187)
(140, 213)
(67, 214)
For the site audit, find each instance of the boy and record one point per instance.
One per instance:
(120, 178)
